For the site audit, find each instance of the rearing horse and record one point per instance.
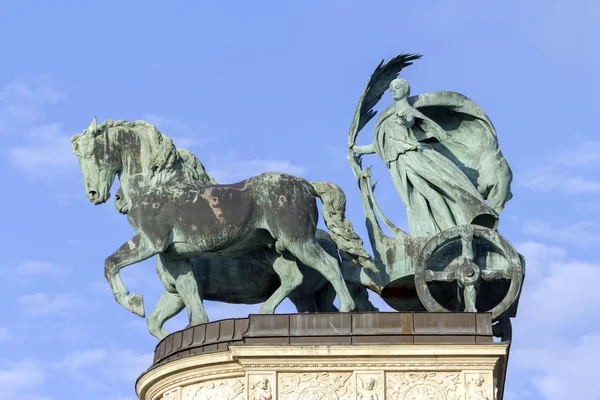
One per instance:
(181, 219)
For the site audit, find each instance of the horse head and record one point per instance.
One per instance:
(99, 163)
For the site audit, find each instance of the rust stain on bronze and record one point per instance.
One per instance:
(213, 202)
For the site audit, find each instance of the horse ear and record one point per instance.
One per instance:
(93, 128)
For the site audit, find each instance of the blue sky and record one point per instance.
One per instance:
(258, 86)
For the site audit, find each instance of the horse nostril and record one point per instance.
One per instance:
(117, 197)
(92, 194)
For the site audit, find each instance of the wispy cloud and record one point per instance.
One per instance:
(47, 152)
(112, 364)
(556, 338)
(20, 380)
(36, 267)
(583, 234)
(44, 304)
(231, 167)
(22, 103)
(562, 368)
(38, 91)
(571, 171)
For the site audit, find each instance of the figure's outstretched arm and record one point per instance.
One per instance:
(368, 149)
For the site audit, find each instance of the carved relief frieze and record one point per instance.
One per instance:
(174, 394)
(479, 386)
(424, 386)
(262, 386)
(223, 389)
(316, 386)
(370, 386)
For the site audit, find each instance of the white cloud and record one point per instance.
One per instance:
(39, 91)
(18, 379)
(555, 338)
(169, 126)
(562, 368)
(230, 168)
(571, 171)
(48, 152)
(113, 365)
(22, 104)
(568, 182)
(43, 304)
(35, 267)
(182, 142)
(582, 234)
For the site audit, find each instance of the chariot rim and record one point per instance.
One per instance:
(468, 273)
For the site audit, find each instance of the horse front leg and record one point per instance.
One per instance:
(138, 248)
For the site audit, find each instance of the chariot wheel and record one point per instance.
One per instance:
(469, 257)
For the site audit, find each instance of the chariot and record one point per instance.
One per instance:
(467, 266)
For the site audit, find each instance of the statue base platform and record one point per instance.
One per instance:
(367, 356)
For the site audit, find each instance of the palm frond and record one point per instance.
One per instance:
(376, 87)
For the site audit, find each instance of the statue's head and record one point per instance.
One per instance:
(99, 165)
(369, 384)
(477, 379)
(263, 383)
(399, 88)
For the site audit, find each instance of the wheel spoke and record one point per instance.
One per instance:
(470, 295)
(439, 276)
(495, 274)
(467, 247)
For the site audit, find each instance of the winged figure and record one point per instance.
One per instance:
(441, 150)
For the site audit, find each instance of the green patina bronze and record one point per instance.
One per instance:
(256, 240)
(444, 160)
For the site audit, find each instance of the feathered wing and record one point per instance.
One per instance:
(376, 87)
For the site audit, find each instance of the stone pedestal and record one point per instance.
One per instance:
(365, 356)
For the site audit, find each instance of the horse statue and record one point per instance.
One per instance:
(219, 279)
(180, 219)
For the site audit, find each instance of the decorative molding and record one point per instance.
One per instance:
(262, 386)
(223, 389)
(370, 385)
(316, 385)
(479, 386)
(424, 385)
(431, 372)
(174, 394)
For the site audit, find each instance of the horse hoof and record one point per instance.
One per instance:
(136, 305)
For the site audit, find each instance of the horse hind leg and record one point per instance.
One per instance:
(312, 255)
(187, 287)
(168, 306)
(290, 278)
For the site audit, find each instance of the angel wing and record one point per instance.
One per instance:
(376, 87)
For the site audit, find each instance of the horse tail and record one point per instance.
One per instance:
(341, 230)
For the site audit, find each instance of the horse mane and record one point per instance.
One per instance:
(194, 168)
(164, 153)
